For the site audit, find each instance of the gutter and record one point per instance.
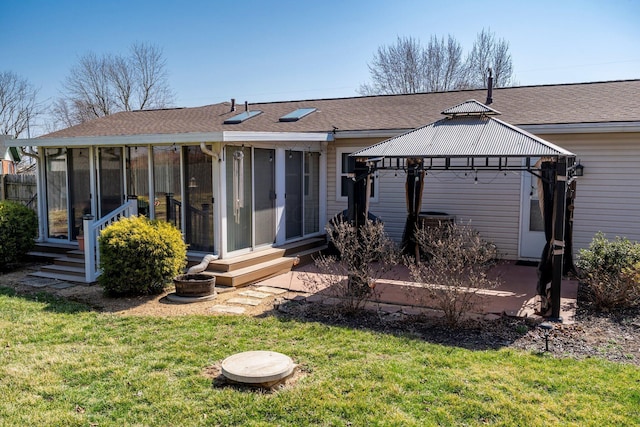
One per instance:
(563, 128)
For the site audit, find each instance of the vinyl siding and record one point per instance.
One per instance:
(607, 198)
(608, 195)
(492, 206)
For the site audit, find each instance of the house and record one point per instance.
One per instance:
(9, 157)
(240, 178)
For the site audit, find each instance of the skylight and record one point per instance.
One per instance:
(239, 118)
(297, 114)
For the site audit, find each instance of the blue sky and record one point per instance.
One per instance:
(284, 50)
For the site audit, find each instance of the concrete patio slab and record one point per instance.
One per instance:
(516, 296)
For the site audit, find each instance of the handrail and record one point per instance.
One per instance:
(92, 231)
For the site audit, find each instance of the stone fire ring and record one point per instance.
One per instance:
(257, 367)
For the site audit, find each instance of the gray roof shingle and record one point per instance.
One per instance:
(615, 101)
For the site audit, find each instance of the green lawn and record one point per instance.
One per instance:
(62, 365)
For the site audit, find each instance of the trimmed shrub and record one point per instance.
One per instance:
(610, 271)
(18, 229)
(139, 256)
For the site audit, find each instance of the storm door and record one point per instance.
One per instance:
(239, 197)
(311, 193)
(110, 179)
(198, 176)
(264, 196)
(80, 188)
(294, 194)
(532, 239)
(56, 185)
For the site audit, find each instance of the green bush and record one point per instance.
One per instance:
(18, 229)
(610, 269)
(139, 256)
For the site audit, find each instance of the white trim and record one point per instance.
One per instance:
(379, 133)
(605, 127)
(339, 174)
(276, 136)
(176, 138)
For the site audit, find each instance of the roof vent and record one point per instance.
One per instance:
(489, 87)
(233, 104)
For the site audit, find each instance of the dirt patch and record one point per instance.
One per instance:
(614, 337)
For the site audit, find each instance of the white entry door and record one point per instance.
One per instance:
(532, 238)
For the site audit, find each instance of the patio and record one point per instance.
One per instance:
(516, 296)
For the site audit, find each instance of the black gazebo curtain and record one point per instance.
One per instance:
(546, 183)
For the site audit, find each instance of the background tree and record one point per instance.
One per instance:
(489, 52)
(18, 104)
(409, 67)
(102, 85)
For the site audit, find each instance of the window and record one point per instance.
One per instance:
(239, 118)
(342, 178)
(297, 114)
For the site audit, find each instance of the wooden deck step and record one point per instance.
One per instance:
(244, 261)
(303, 245)
(55, 247)
(64, 269)
(43, 256)
(308, 256)
(70, 261)
(255, 273)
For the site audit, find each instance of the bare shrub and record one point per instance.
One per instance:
(454, 267)
(364, 255)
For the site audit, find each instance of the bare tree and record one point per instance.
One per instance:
(151, 87)
(397, 68)
(445, 69)
(489, 52)
(409, 67)
(100, 86)
(18, 104)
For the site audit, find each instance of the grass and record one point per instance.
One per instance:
(63, 365)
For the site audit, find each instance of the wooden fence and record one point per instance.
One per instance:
(19, 188)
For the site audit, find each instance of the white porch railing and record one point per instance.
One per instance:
(92, 230)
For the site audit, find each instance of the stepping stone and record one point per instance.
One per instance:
(271, 290)
(227, 309)
(62, 285)
(254, 294)
(39, 282)
(244, 301)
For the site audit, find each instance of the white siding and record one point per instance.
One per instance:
(608, 195)
(607, 200)
(492, 206)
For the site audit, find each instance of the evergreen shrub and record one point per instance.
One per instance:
(139, 256)
(18, 229)
(611, 272)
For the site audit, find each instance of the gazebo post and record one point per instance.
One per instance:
(559, 212)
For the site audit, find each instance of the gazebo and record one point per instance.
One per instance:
(470, 138)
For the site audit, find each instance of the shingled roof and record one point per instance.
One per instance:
(599, 102)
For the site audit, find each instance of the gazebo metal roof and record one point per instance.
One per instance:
(468, 132)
